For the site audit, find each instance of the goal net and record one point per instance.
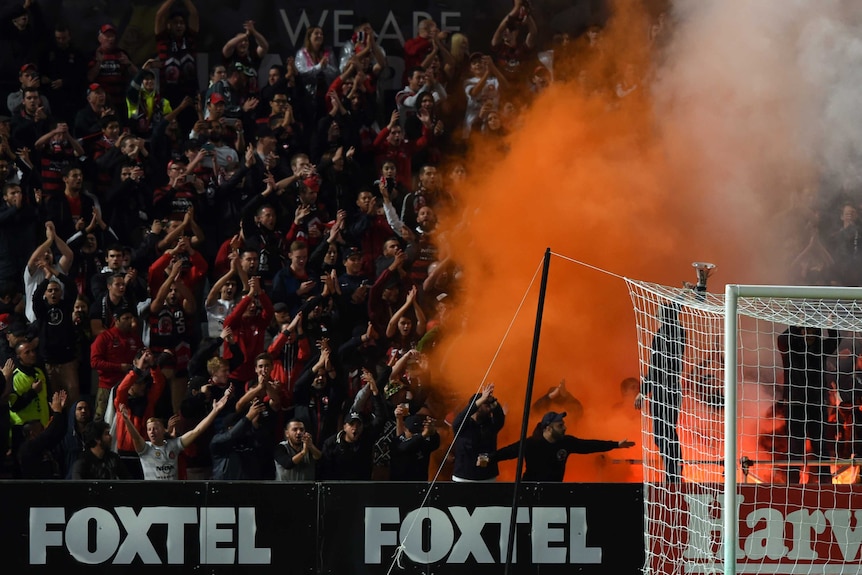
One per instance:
(789, 428)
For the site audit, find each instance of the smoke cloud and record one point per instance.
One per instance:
(742, 123)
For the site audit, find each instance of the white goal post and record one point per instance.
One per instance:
(779, 474)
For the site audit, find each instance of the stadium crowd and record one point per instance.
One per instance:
(243, 279)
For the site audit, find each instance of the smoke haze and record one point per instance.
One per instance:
(743, 122)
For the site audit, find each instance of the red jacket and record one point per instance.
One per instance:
(124, 437)
(109, 351)
(249, 334)
(401, 156)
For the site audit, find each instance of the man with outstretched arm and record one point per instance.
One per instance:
(159, 455)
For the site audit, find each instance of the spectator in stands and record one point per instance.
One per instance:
(222, 297)
(139, 391)
(420, 50)
(111, 67)
(88, 120)
(145, 105)
(347, 455)
(318, 395)
(407, 326)
(546, 451)
(391, 145)
(72, 444)
(71, 210)
(238, 50)
(170, 318)
(28, 396)
(41, 264)
(102, 312)
(35, 456)
(176, 40)
(53, 303)
(17, 219)
(294, 283)
(160, 455)
(296, 457)
(29, 77)
(20, 38)
(64, 73)
(236, 449)
(845, 245)
(318, 68)
(477, 426)
(483, 86)
(98, 461)
(112, 353)
(30, 121)
(248, 322)
(804, 351)
(416, 438)
(662, 385)
(134, 285)
(514, 41)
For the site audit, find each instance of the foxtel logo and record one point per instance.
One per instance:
(49, 527)
(558, 534)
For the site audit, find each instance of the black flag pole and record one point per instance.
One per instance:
(527, 400)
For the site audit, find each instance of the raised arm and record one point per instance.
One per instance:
(392, 327)
(230, 46)
(189, 437)
(162, 17)
(194, 23)
(215, 292)
(41, 248)
(67, 256)
(262, 43)
(139, 442)
(158, 302)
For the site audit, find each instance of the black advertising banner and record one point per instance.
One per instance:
(463, 528)
(221, 528)
(158, 527)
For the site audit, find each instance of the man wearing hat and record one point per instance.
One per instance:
(354, 286)
(476, 429)
(28, 76)
(88, 120)
(545, 453)
(233, 87)
(111, 67)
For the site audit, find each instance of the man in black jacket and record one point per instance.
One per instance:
(34, 455)
(98, 461)
(546, 452)
(476, 429)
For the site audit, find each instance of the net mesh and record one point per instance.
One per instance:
(798, 430)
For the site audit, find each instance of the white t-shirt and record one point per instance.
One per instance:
(160, 462)
(216, 314)
(31, 282)
(490, 91)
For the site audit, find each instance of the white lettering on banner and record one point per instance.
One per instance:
(767, 544)
(343, 22)
(551, 528)
(216, 528)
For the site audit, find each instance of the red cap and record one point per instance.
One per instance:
(215, 98)
(94, 87)
(29, 67)
(107, 28)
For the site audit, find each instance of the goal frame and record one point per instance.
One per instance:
(732, 293)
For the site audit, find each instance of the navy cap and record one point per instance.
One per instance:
(552, 417)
